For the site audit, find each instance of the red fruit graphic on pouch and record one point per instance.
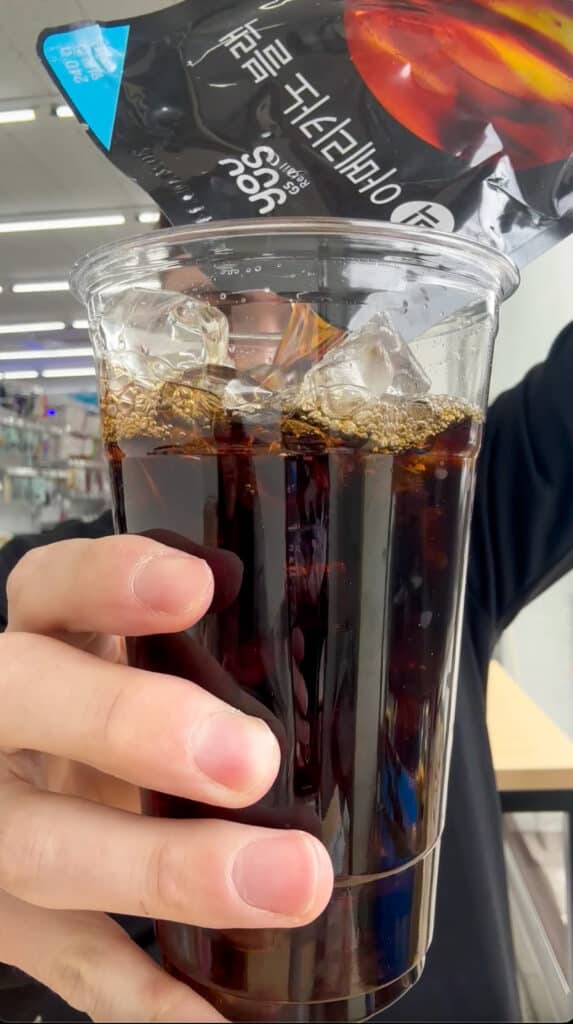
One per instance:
(448, 69)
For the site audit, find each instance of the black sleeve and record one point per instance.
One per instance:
(522, 535)
(12, 552)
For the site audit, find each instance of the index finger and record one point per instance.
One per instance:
(129, 586)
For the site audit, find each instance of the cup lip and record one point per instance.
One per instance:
(474, 261)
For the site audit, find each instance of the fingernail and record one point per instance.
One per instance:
(173, 585)
(235, 750)
(279, 875)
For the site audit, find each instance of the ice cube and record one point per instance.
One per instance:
(371, 363)
(247, 397)
(176, 328)
(338, 401)
(306, 340)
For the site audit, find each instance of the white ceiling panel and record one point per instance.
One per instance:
(49, 167)
(21, 22)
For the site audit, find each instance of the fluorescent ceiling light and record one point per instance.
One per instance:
(56, 325)
(149, 217)
(81, 325)
(20, 375)
(17, 116)
(63, 111)
(46, 353)
(12, 227)
(40, 287)
(79, 371)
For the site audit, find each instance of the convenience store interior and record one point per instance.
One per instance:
(59, 199)
(50, 457)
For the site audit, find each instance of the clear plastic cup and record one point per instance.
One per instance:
(301, 402)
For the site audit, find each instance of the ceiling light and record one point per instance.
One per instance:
(46, 353)
(63, 111)
(40, 287)
(81, 325)
(20, 375)
(79, 371)
(17, 116)
(56, 325)
(10, 227)
(150, 217)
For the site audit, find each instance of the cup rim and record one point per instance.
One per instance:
(474, 261)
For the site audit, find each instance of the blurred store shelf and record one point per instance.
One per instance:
(51, 467)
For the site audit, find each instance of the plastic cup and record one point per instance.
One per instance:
(324, 468)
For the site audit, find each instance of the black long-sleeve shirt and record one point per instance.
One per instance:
(522, 541)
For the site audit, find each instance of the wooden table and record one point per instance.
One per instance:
(530, 752)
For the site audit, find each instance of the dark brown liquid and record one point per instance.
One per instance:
(338, 593)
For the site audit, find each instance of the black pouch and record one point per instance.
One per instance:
(447, 114)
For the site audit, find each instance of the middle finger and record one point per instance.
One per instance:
(152, 730)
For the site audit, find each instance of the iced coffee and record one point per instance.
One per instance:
(323, 466)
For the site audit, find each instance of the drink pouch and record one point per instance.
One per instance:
(447, 114)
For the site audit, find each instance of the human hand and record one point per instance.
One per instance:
(79, 733)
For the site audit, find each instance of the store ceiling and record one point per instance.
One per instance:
(47, 168)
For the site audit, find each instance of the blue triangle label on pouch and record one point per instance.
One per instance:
(88, 63)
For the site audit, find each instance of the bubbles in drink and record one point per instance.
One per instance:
(364, 389)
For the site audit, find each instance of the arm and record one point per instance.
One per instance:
(522, 536)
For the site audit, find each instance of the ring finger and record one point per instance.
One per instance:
(62, 853)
